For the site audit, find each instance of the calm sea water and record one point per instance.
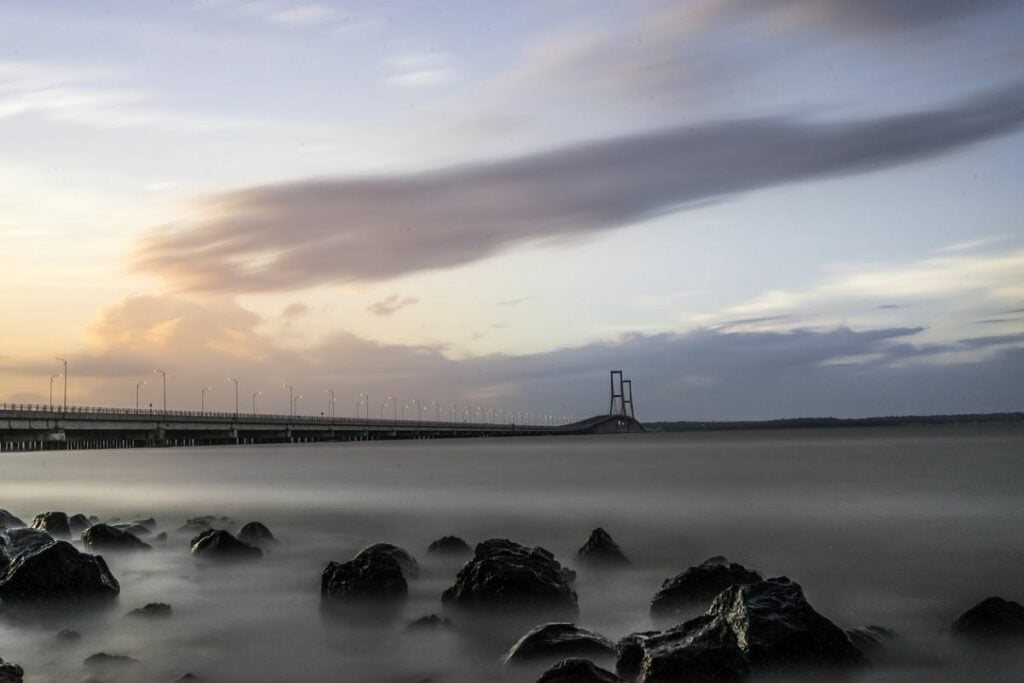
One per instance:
(903, 527)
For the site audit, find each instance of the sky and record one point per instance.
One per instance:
(754, 209)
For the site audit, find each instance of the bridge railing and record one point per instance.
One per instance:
(94, 411)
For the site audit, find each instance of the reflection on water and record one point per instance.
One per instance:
(904, 528)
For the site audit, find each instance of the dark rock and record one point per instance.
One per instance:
(110, 538)
(630, 653)
(158, 610)
(102, 659)
(601, 549)
(992, 618)
(68, 635)
(187, 677)
(149, 522)
(53, 523)
(754, 627)
(504, 576)
(9, 521)
(256, 534)
(700, 584)
(34, 566)
(429, 622)
(10, 673)
(93, 519)
(870, 638)
(410, 568)
(134, 529)
(161, 537)
(559, 639)
(218, 544)
(78, 523)
(373, 576)
(577, 671)
(449, 545)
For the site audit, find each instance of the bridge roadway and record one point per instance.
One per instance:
(26, 427)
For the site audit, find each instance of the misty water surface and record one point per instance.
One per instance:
(905, 528)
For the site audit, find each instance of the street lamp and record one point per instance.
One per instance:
(291, 399)
(437, 411)
(254, 395)
(451, 412)
(232, 379)
(52, 377)
(297, 402)
(164, 375)
(419, 408)
(330, 404)
(394, 407)
(137, 385)
(404, 406)
(65, 373)
(366, 399)
(202, 398)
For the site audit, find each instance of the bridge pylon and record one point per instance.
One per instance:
(617, 393)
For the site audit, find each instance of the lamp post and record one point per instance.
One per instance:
(232, 379)
(366, 399)
(164, 375)
(394, 407)
(451, 412)
(419, 409)
(65, 373)
(330, 404)
(202, 398)
(291, 399)
(404, 406)
(137, 385)
(53, 377)
(437, 411)
(296, 407)
(254, 395)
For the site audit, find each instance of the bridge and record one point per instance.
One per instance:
(25, 427)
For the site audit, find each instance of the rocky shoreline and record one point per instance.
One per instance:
(751, 625)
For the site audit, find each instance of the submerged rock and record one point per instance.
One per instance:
(105, 660)
(148, 522)
(10, 673)
(68, 635)
(429, 622)
(373, 576)
(217, 544)
(159, 610)
(748, 628)
(410, 568)
(256, 534)
(449, 545)
(9, 521)
(559, 639)
(78, 523)
(161, 537)
(134, 529)
(503, 576)
(110, 538)
(992, 618)
(601, 549)
(34, 566)
(576, 670)
(700, 584)
(53, 523)
(870, 638)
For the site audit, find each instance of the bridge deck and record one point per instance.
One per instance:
(31, 427)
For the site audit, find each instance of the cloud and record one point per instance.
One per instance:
(96, 98)
(703, 374)
(391, 305)
(294, 235)
(508, 303)
(420, 70)
(295, 309)
(873, 15)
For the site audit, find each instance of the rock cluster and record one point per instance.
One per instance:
(368, 576)
(10, 673)
(217, 544)
(503, 575)
(601, 549)
(449, 545)
(992, 618)
(53, 523)
(700, 584)
(749, 628)
(559, 639)
(34, 567)
(104, 537)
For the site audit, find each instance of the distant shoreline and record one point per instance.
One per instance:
(835, 422)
